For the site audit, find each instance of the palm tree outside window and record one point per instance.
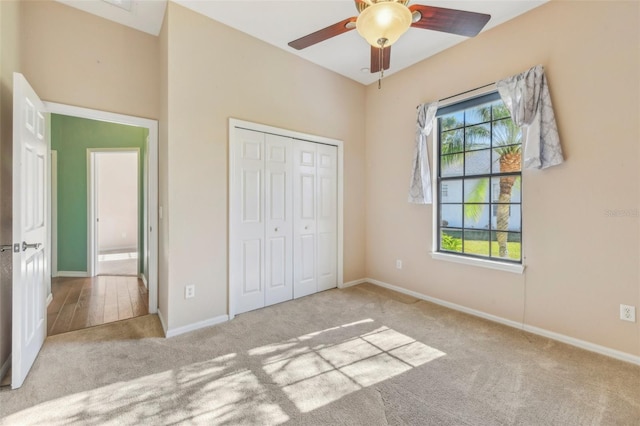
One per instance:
(479, 180)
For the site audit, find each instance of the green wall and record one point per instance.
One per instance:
(70, 137)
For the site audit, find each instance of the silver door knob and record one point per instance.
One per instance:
(306, 227)
(276, 230)
(26, 246)
(5, 247)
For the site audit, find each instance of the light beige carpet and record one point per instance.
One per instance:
(361, 356)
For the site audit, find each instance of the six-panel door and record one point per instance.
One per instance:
(279, 223)
(30, 222)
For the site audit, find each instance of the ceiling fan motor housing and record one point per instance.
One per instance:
(363, 4)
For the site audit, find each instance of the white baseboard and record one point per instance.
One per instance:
(73, 274)
(49, 298)
(5, 367)
(582, 344)
(196, 326)
(144, 280)
(352, 283)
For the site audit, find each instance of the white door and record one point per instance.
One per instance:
(327, 217)
(304, 219)
(246, 272)
(278, 221)
(30, 223)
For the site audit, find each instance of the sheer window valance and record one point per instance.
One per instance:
(527, 98)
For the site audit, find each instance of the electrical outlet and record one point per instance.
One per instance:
(399, 264)
(628, 313)
(189, 291)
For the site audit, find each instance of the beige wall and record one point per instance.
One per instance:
(76, 58)
(581, 264)
(215, 73)
(9, 62)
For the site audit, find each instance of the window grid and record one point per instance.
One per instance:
(493, 199)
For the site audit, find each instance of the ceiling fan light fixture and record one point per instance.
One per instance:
(386, 20)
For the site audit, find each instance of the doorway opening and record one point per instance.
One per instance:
(114, 211)
(104, 241)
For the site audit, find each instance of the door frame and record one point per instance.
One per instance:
(236, 123)
(151, 204)
(53, 207)
(92, 207)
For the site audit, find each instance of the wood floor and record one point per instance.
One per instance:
(84, 302)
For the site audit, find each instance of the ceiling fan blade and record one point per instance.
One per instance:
(451, 21)
(375, 58)
(324, 34)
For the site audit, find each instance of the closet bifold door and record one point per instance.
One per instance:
(327, 216)
(278, 219)
(248, 224)
(315, 218)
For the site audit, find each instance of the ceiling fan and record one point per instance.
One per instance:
(382, 22)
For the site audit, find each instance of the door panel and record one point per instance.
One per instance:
(251, 196)
(279, 225)
(30, 222)
(327, 227)
(277, 195)
(307, 197)
(246, 271)
(307, 258)
(278, 263)
(304, 220)
(251, 267)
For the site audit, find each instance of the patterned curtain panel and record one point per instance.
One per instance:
(420, 190)
(527, 97)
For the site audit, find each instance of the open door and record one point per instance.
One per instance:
(30, 223)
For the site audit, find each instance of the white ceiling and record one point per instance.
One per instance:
(279, 22)
(144, 15)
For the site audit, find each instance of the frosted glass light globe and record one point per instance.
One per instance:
(384, 20)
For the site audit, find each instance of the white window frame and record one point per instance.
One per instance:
(517, 268)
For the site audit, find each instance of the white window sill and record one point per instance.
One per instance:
(491, 264)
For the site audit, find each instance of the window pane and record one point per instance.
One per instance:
(505, 132)
(476, 242)
(479, 114)
(476, 216)
(452, 121)
(477, 162)
(478, 137)
(451, 215)
(476, 190)
(506, 217)
(451, 240)
(507, 159)
(452, 141)
(499, 110)
(506, 245)
(451, 165)
(451, 191)
(511, 187)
